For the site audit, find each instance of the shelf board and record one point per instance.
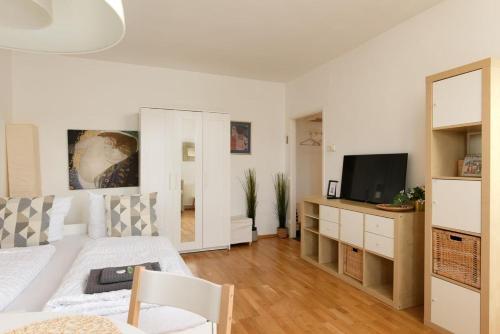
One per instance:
(313, 258)
(314, 230)
(466, 127)
(456, 230)
(462, 178)
(385, 290)
(330, 238)
(332, 266)
(380, 255)
(311, 216)
(351, 280)
(449, 280)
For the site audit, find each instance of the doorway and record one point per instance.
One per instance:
(306, 164)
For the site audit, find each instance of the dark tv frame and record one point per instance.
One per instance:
(342, 195)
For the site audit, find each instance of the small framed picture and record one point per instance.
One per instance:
(332, 189)
(472, 165)
(241, 137)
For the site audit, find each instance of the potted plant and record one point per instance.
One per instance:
(250, 188)
(413, 197)
(417, 195)
(281, 192)
(401, 199)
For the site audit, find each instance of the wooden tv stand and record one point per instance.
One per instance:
(391, 244)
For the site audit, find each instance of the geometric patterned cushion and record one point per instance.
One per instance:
(24, 221)
(131, 215)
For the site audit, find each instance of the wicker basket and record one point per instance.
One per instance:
(457, 256)
(353, 262)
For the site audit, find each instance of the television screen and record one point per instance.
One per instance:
(375, 178)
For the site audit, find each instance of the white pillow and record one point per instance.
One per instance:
(97, 216)
(59, 211)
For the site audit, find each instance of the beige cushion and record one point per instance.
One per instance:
(24, 221)
(131, 215)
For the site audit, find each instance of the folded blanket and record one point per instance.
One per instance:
(111, 252)
(124, 273)
(94, 281)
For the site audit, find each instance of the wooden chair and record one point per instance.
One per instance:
(211, 301)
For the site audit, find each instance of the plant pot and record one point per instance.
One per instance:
(419, 206)
(255, 235)
(282, 232)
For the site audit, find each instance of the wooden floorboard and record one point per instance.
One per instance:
(278, 292)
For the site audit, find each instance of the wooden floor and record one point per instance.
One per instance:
(188, 225)
(278, 292)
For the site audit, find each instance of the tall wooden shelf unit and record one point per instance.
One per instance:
(388, 247)
(459, 101)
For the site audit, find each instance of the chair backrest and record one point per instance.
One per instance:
(211, 301)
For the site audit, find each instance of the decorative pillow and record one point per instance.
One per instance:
(131, 215)
(24, 221)
(60, 210)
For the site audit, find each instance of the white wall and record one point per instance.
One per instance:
(374, 96)
(5, 113)
(59, 93)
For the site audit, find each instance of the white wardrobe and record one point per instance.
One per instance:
(185, 157)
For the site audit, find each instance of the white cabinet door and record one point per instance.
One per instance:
(455, 308)
(329, 213)
(456, 204)
(351, 227)
(457, 100)
(216, 180)
(155, 169)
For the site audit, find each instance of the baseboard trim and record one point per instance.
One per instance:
(267, 236)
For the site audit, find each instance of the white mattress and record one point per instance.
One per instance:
(18, 267)
(110, 252)
(38, 292)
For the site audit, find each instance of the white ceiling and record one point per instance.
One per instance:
(274, 40)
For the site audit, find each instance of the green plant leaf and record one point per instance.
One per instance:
(249, 185)
(281, 192)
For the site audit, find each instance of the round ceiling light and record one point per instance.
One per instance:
(61, 26)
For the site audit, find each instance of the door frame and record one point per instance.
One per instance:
(292, 167)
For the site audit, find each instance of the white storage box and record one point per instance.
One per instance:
(241, 230)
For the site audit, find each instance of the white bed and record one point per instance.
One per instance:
(109, 252)
(44, 283)
(18, 267)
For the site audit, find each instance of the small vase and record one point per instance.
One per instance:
(255, 235)
(419, 206)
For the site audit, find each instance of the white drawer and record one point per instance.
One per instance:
(379, 244)
(455, 308)
(351, 227)
(379, 225)
(329, 229)
(329, 213)
(456, 204)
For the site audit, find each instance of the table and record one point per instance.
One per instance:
(10, 321)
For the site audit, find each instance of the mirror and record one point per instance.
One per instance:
(188, 181)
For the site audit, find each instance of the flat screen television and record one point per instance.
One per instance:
(374, 178)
